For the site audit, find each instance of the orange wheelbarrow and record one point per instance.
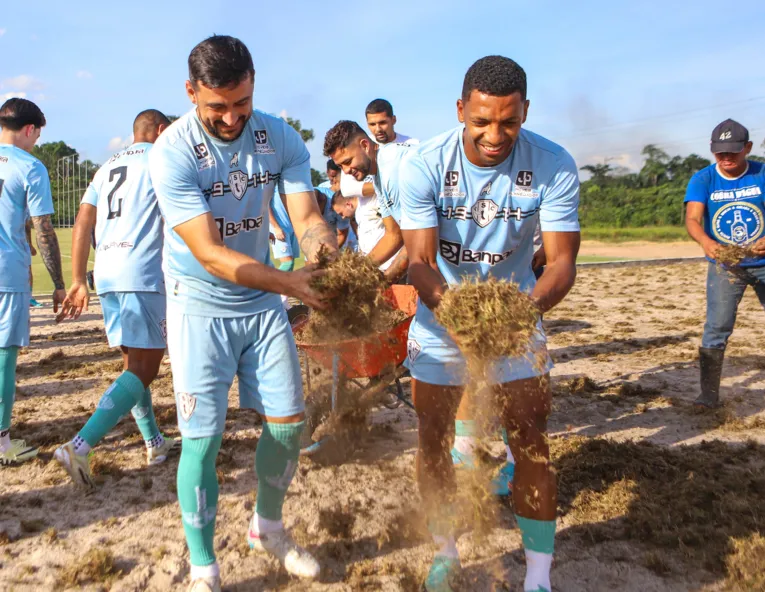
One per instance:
(377, 357)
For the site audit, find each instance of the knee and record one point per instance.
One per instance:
(528, 425)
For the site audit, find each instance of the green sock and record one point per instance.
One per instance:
(537, 535)
(464, 427)
(198, 496)
(118, 399)
(287, 266)
(8, 357)
(143, 413)
(276, 459)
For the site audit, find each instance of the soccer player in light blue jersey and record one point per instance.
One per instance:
(471, 198)
(359, 158)
(24, 190)
(335, 221)
(215, 171)
(120, 204)
(330, 187)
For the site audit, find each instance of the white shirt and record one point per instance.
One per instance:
(371, 226)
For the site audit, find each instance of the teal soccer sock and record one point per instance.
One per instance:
(118, 399)
(8, 358)
(276, 460)
(143, 413)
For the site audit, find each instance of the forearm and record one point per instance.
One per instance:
(28, 231)
(238, 268)
(80, 249)
(696, 231)
(399, 266)
(342, 236)
(47, 244)
(386, 247)
(555, 283)
(313, 233)
(428, 281)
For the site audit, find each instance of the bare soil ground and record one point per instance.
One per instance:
(654, 496)
(641, 249)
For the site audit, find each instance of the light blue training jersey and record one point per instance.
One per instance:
(486, 216)
(331, 217)
(385, 181)
(128, 224)
(24, 192)
(194, 173)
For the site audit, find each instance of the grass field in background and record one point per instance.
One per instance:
(645, 233)
(44, 285)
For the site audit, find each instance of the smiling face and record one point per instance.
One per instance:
(356, 159)
(223, 111)
(492, 125)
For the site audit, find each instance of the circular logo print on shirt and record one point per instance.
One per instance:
(737, 223)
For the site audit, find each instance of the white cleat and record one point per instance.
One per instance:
(296, 560)
(77, 466)
(159, 454)
(205, 585)
(18, 453)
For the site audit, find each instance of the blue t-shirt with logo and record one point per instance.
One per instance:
(486, 216)
(24, 192)
(735, 208)
(128, 224)
(194, 173)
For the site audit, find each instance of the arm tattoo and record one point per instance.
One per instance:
(399, 266)
(47, 242)
(314, 237)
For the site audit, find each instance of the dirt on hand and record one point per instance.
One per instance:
(734, 255)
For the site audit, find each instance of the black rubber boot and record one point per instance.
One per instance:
(711, 362)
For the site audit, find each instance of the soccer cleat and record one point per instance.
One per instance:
(159, 454)
(442, 575)
(296, 560)
(462, 461)
(205, 585)
(77, 466)
(502, 484)
(34, 304)
(18, 453)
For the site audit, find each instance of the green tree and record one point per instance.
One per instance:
(317, 177)
(306, 134)
(654, 169)
(51, 152)
(599, 172)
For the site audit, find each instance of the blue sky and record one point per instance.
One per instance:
(605, 78)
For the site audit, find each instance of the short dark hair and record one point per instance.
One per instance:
(17, 113)
(495, 75)
(220, 61)
(379, 106)
(331, 166)
(149, 119)
(336, 197)
(341, 135)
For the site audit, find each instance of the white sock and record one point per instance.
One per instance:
(5, 440)
(260, 525)
(510, 458)
(81, 447)
(447, 546)
(205, 571)
(537, 571)
(465, 445)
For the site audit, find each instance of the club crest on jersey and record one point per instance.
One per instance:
(163, 328)
(237, 181)
(452, 185)
(484, 211)
(261, 143)
(524, 185)
(186, 405)
(413, 349)
(234, 162)
(206, 160)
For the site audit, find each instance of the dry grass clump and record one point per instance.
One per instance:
(489, 319)
(733, 255)
(96, 566)
(357, 306)
(746, 565)
(690, 499)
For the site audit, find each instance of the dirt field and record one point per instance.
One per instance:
(653, 495)
(640, 250)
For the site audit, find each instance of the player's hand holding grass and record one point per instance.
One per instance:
(73, 303)
(301, 284)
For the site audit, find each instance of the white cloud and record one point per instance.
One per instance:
(283, 114)
(23, 82)
(13, 95)
(84, 75)
(118, 143)
(2, 32)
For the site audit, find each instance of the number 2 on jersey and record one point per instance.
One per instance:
(122, 172)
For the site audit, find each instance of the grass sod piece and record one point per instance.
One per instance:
(489, 319)
(734, 255)
(357, 307)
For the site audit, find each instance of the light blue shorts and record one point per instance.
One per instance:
(206, 354)
(135, 319)
(14, 319)
(434, 358)
(281, 249)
